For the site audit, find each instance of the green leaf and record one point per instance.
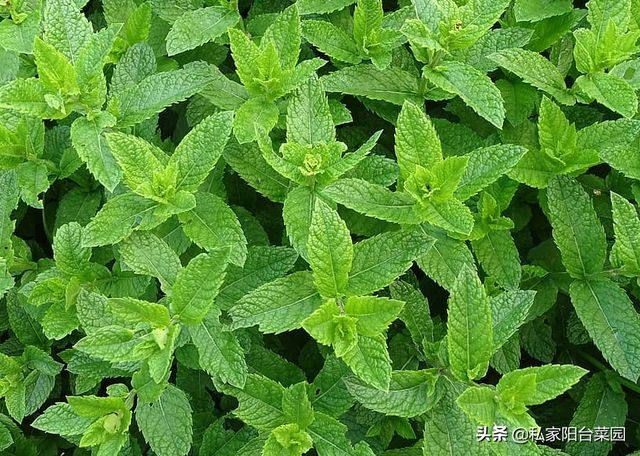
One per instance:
(20, 37)
(118, 218)
(536, 70)
(197, 285)
(154, 93)
(613, 92)
(212, 225)
(373, 314)
(367, 20)
(392, 84)
(448, 430)
(485, 166)
(297, 213)
(331, 396)
(411, 393)
(379, 260)
(284, 33)
(608, 315)
(309, 118)
(221, 355)
(54, 70)
(260, 403)
(199, 26)
(509, 311)
(92, 147)
(627, 229)
(111, 343)
(138, 311)
(95, 406)
(536, 10)
(147, 254)
(61, 419)
(278, 306)
(71, 258)
(138, 161)
(369, 360)
(469, 327)
(199, 151)
(474, 87)
(66, 28)
(603, 11)
(255, 115)
(331, 40)
(330, 251)
(322, 6)
(576, 228)
(600, 404)
(479, 404)
(550, 382)
(29, 96)
(373, 200)
(296, 405)
(499, 257)
(167, 424)
(417, 141)
(219, 441)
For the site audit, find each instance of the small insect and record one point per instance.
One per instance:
(597, 192)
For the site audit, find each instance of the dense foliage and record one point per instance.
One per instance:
(334, 227)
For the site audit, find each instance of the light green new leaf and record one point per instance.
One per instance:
(220, 353)
(536, 70)
(373, 200)
(611, 320)
(154, 93)
(627, 229)
(411, 393)
(330, 251)
(200, 149)
(469, 327)
(379, 260)
(474, 87)
(147, 254)
(601, 406)
(509, 311)
(367, 20)
(167, 424)
(613, 92)
(54, 69)
(199, 26)
(485, 166)
(417, 142)
(92, 147)
(309, 118)
(212, 225)
(576, 228)
(392, 84)
(197, 285)
(278, 306)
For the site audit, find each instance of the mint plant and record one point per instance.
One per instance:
(342, 227)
